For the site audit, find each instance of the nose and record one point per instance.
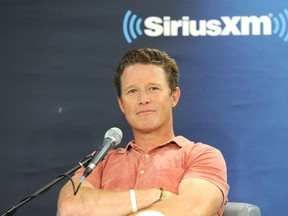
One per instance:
(144, 98)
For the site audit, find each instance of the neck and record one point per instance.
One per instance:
(149, 140)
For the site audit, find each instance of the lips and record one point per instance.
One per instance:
(145, 112)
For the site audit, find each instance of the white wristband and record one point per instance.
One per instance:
(133, 200)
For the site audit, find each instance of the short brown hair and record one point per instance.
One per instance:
(148, 56)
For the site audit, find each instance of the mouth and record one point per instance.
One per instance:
(143, 112)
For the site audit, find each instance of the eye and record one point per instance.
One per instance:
(153, 88)
(132, 91)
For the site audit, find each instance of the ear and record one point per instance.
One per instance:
(120, 103)
(176, 96)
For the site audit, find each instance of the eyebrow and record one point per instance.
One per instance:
(134, 85)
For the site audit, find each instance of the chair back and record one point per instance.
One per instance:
(241, 209)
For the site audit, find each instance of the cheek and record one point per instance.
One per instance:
(121, 105)
(125, 107)
(169, 101)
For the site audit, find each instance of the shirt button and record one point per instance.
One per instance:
(142, 172)
(147, 155)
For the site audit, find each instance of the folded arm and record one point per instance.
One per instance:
(196, 197)
(90, 201)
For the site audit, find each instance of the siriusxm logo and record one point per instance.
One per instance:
(225, 26)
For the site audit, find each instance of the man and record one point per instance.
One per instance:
(158, 173)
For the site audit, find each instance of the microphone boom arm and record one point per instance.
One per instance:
(84, 162)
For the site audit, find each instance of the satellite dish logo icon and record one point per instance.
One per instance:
(131, 26)
(280, 25)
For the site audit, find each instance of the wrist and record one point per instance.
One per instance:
(164, 194)
(133, 200)
(144, 198)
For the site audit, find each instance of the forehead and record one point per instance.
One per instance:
(138, 72)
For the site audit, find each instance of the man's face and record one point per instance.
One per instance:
(146, 99)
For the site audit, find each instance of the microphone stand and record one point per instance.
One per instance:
(11, 211)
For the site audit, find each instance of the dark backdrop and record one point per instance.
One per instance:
(57, 59)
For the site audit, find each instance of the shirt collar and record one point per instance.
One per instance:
(178, 140)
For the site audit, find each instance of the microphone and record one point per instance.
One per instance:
(111, 138)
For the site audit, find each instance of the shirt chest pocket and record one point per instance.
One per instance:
(169, 179)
